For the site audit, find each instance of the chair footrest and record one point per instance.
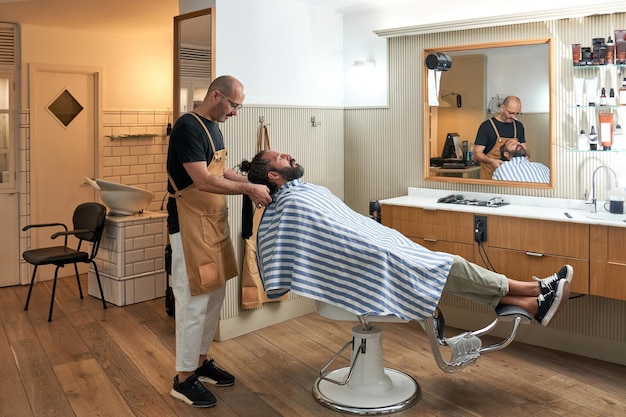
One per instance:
(503, 311)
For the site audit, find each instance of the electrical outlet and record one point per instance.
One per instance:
(480, 228)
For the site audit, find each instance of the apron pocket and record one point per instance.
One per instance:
(215, 227)
(209, 274)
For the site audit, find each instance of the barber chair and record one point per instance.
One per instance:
(367, 388)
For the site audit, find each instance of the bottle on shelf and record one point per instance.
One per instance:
(606, 130)
(582, 144)
(619, 142)
(622, 94)
(593, 139)
(603, 99)
(610, 51)
(612, 101)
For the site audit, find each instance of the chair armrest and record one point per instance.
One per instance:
(29, 226)
(70, 233)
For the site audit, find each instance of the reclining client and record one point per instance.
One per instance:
(313, 244)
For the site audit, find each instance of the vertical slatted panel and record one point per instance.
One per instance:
(319, 149)
(384, 145)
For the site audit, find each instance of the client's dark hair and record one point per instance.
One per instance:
(257, 170)
(502, 151)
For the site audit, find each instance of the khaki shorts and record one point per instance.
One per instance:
(476, 283)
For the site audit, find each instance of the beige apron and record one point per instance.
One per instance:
(486, 170)
(204, 230)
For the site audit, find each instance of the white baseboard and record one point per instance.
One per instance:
(270, 314)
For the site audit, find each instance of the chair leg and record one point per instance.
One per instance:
(80, 290)
(54, 288)
(30, 290)
(95, 268)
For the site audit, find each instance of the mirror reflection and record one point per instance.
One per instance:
(194, 64)
(471, 94)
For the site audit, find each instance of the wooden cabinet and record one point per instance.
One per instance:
(437, 230)
(516, 247)
(522, 248)
(608, 262)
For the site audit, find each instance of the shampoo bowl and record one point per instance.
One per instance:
(122, 200)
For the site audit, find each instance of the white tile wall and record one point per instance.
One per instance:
(136, 161)
(130, 260)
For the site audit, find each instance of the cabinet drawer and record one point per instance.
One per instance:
(616, 251)
(540, 236)
(438, 225)
(609, 280)
(462, 249)
(521, 266)
(608, 262)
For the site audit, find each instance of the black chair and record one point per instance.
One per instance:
(88, 220)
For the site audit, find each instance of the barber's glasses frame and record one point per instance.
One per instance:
(510, 112)
(233, 105)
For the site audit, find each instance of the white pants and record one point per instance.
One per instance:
(196, 315)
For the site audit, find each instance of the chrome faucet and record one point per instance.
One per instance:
(594, 208)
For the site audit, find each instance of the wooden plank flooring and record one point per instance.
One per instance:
(120, 362)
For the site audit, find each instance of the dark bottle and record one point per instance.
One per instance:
(593, 139)
(603, 100)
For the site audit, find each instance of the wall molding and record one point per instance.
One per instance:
(509, 19)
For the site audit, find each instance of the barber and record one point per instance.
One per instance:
(494, 132)
(203, 257)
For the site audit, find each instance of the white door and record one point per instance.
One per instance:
(64, 105)
(9, 251)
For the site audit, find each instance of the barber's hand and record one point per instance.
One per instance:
(496, 163)
(260, 195)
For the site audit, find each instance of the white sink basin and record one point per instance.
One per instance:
(606, 216)
(121, 199)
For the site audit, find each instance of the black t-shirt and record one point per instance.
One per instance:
(188, 143)
(487, 137)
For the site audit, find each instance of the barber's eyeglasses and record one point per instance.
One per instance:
(233, 105)
(512, 113)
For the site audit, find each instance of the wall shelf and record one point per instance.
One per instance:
(134, 136)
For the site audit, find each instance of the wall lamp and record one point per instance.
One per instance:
(459, 102)
(361, 75)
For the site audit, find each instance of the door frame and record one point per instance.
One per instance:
(33, 70)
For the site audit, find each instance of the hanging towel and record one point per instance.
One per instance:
(434, 78)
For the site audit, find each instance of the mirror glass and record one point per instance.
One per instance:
(471, 91)
(194, 64)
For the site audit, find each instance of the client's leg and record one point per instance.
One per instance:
(543, 299)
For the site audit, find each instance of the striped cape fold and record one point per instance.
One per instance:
(311, 243)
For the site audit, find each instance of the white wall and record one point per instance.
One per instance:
(285, 52)
(298, 52)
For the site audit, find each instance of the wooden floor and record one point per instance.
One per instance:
(120, 362)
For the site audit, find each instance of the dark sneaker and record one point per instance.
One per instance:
(209, 373)
(193, 392)
(549, 304)
(550, 283)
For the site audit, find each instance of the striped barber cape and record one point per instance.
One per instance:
(311, 243)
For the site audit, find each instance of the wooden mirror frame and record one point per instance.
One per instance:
(428, 115)
(178, 41)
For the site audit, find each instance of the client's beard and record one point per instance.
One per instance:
(292, 173)
(518, 152)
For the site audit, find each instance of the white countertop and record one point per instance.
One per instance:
(553, 209)
(145, 215)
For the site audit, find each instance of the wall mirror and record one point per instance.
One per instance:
(472, 90)
(194, 63)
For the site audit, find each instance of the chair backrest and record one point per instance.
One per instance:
(90, 216)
